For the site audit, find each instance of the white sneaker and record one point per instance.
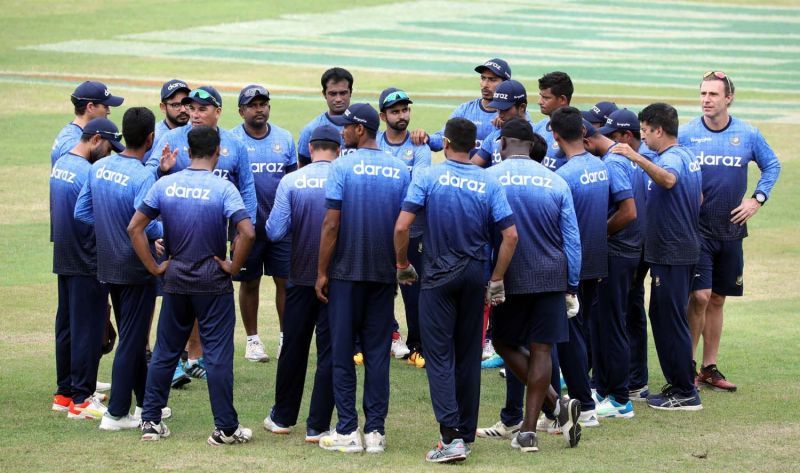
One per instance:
(255, 352)
(218, 438)
(499, 431)
(400, 349)
(102, 387)
(125, 422)
(544, 424)
(488, 350)
(375, 442)
(166, 413)
(588, 418)
(101, 397)
(337, 442)
(91, 408)
(596, 397)
(273, 427)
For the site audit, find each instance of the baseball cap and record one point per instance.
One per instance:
(622, 119)
(507, 94)
(359, 114)
(590, 129)
(497, 66)
(517, 128)
(252, 91)
(391, 96)
(107, 130)
(171, 87)
(96, 92)
(205, 95)
(600, 112)
(326, 133)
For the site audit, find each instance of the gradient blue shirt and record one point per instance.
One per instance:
(554, 158)
(625, 182)
(415, 157)
(367, 186)
(74, 252)
(461, 201)
(66, 139)
(114, 190)
(305, 135)
(474, 112)
(548, 254)
(195, 206)
(723, 157)
(489, 150)
(672, 233)
(161, 129)
(271, 158)
(587, 177)
(298, 213)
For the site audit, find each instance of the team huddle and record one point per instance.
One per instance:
(528, 245)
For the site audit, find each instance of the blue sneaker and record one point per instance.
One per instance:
(197, 369)
(495, 361)
(180, 378)
(610, 408)
(670, 400)
(454, 451)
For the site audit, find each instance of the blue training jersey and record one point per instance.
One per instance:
(587, 177)
(672, 233)
(460, 202)
(723, 157)
(305, 135)
(368, 187)
(161, 129)
(625, 182)
(271, 158)
(114, 190)
(416, 157)
(74, 252)
(298, 213)
(195, 206)
(554, 158)
(489, 150)
(474, 112)
(66, 139)
(233, 164)
(548, 254)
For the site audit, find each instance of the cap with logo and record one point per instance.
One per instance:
(205, 95)
(252, 91)
(95, 92)
(326, 133)
(496, 66)
(171, 87)
(508, 94)
(517, 128)
(107, 131)
(392, 96)
(359, 114)
(620, 120)
(590, 130)
(600, 112)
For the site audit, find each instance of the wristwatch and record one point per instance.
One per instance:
(760, 197)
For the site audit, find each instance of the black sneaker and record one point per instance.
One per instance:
(152, 431)
(218, 438)
(568, 421)
(527, 442)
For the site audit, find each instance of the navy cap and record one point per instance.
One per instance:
(507, 94)
(391, 96)
(622, 119)
(517, 128)
(252, 91)
(171, 87)
(107, 130)
(326, 133)
(95, 92)
(497, 66)
(205, 95)
(359, 114)
(590, 129)
(600, 112)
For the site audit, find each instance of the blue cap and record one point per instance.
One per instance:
(171, 87)
(252, 91)
(326, 133)
(622, 119)
(359, 114)
(507, 94)
(496, 66)
(391, 96)
(107, 130)
(205, 95)
(600, 112)
(95, 92)
(590, 129)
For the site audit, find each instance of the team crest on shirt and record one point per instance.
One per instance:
(409, 152)
(223, 151)
(739, 280)
(657, 281)
(735, 141)
(276, 147)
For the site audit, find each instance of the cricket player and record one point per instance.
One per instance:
(599, 113)
(511, 101)
(555, 91)
(337, 88)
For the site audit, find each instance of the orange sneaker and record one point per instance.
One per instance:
(710, 376)
(61, 403)
(91, 409)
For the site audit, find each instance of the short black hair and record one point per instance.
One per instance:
(661, 115)
(567, 122)
(539, 148)
(80, 109)
(137, 124)
(336, 74)
(323, 145)
(203, 141)
(372, 134)
(559, 84)
(461, 134)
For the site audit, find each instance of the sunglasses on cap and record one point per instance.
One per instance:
(721, 76)
(202, 94)
(398, 95)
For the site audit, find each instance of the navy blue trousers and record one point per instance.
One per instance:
(637, 328)
(411, 295)
(573, 358)
(511, 413)
(133, 306)
(364, 310)
(669, 300)
(303, 315)
(216, 317)
(80, 325)
(451, 318)
(609, 333)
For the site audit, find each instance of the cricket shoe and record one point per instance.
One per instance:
(488, 350)
(610, 408)
(166, 413)
(196, 369)
(375, 442)
(711, 377)
(91, 409)
(218, 437)
(455, 451)
(526, 442)
(639, 394)
(570, 411)
(154, 431)
(399, 348)
(313, 435)
(254, 351)
(110, 423)
(499, 431)
(180, 378)
(589, 418)
(670, 400)
(336, 442)
(61, 403)
(275, 427)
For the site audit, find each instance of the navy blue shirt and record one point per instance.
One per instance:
(368, 187)
(587, 177)
(460, 201)
(625, 182)
(415, 157)
(195, 206)
(74, 252)
(548, 254)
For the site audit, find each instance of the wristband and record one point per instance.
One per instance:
(400, 266)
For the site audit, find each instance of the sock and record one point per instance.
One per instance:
(253, 338)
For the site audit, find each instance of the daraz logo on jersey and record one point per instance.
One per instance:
(266, 167)
(448, 179)
(62, 175)
(718, 160)
(508, 179)
(594, 176)
(306, 182)
(112, 176)
(223, 173)
(187, 192)
(364, 169)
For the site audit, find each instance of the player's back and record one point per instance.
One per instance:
(626, 181)
(554, 158)
(66, 139)
(73, 241)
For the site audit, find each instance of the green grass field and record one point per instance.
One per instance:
(631, 52)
